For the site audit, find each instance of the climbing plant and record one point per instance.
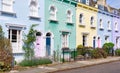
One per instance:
(29, 40)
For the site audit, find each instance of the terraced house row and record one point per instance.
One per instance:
(62, 24)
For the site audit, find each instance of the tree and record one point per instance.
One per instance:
(29, 40)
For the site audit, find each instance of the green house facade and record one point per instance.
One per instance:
(60, 29)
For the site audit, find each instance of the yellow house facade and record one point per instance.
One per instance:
(86, 25)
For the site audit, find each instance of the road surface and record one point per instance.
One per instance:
(113, 67)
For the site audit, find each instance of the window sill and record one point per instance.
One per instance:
(81, 25)
(101, 28)
(69, 23)
(92, 26)
(12, 14)
(116, 30)
(109, 29)
(53, 20)
(34, 18)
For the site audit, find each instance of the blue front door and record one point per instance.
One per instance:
(48, 46)
(94, 44)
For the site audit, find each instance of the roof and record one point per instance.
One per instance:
(91, 2)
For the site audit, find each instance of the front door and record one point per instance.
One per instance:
(94, 43)
(48, 44)
(99, 42)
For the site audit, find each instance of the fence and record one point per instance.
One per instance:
(65, 55)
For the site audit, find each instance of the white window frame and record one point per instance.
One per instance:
(65, 40)
(92, 21)
(109, 25)
(11, 35)
(7, 5)
(81, 16)
(85, 40)
(34, 9)
(101, 24)
(53, 14)
(116, 26)
(69, 16)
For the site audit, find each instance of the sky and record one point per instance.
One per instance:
(114, 3)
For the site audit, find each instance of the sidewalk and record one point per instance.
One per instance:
(70, 65)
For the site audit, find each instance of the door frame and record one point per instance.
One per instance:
(52, 43)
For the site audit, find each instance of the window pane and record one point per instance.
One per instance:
(14, 35)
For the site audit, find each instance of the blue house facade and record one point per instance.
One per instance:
(16, 16)
(104, 25)
(115, 28)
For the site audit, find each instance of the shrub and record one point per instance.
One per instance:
(83, 50)
(117, 52)
(35, 62)
(102, 52)
(6, 61)
(80, 50)
(98, 53)
(79, 47)
(6, 57)
(95, 54)
(108, 47)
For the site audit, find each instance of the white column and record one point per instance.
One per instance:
(21, 36)
(20, 40)
(17, 36)
(69, 40)
(17, 43)
(52, 45)
(10, 35)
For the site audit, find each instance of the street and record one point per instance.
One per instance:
(113, 67)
